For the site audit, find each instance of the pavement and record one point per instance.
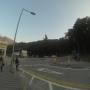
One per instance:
(9, 81)
(40, 74)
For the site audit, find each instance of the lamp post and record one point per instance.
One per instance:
(17, 30)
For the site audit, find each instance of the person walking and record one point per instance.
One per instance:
(17, 63)
(1, 63)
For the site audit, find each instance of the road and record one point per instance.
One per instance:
(74, 77)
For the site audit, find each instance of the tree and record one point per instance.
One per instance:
(79, 35)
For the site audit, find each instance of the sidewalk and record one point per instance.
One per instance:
(9, 81)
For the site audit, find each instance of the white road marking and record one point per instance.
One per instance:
(63, 86)
(41, 69)
(88, 68)
(25, 65)
(57, 72)
(50, 86)
(48, 71)
(31, 80)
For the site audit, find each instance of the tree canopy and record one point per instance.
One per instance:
(79, 35)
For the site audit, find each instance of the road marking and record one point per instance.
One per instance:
(57, 72)
(75, 68)
(50, 86)
(54, 83)
(41, 69)
(88, 68)
(31, 80)
(49, 71)
(24, 65)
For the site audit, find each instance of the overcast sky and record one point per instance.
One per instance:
(53, 17)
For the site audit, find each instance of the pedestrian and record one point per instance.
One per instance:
(1, 63)
(17, 63)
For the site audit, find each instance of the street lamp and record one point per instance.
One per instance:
(17, 30)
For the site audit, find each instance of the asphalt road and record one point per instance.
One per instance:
(77, 75)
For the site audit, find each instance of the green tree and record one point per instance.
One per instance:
(79, 35)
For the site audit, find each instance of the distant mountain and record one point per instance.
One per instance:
(6, 40)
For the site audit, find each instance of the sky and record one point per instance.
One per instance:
(53, 18)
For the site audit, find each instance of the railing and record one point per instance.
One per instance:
(30, 80)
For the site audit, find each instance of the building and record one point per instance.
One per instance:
(21, 53)
(24, 53)
(3, 48)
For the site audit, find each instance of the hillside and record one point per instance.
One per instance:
(6, 39)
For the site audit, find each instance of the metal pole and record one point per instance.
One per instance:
(16, 35)
(17, 30)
